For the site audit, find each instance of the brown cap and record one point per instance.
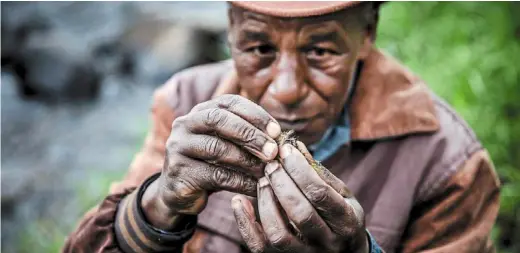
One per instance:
(289, 9)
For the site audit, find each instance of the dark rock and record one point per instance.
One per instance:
(163, 48)
(55, 71)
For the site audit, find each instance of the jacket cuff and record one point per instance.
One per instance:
(135, 234)
(373, 247)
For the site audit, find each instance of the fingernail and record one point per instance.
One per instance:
(270, 149)
(286, 151)
(236, 203)
(263, 182)
(270, 168)
(273, 129)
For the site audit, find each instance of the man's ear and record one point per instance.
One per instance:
(230, 15)
(231, 26)
(230, 37)
(366, 45)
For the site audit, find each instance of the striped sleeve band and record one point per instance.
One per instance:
(135, 234)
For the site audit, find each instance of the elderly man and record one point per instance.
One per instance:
(404, 172)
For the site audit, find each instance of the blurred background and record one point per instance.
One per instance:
(77, 80)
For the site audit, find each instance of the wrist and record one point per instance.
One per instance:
(156, 212)
(135, 233)
(358, 243)
(365, 244)
(373, 247)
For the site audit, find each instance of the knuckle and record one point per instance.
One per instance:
(229, 100)
(215, 148)
(279, 239)
(356, 207)
(185, 190)
(174, 166)
(291, 165)
(173, 147)
(176, 162)
(256, 247)
(247, 184)
(348, 225)
(214, 117)
(355, 213)
(252, 162)
(182, 190)
(199, 106)
(183, 196)
(171, 143)
(221, 175)
(344, 231)
(303, 215)
(247, 134)
(317, 194)
(178, 123)
(226, 178)
(173, 150)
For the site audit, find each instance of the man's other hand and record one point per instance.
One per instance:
(299, 211)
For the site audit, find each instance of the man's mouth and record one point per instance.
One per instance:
(297, 125)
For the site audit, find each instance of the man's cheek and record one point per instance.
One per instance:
(328, 85)
(249, 65)
(256, 89)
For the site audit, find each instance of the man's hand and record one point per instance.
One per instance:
(300, 210)
(222, 144)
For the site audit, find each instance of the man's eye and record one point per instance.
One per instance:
(263, 50)
(318, 52)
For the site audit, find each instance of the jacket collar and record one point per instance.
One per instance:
(388, 100)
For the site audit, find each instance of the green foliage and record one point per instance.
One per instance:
(42, 236)
(469, 54)
(48, 233)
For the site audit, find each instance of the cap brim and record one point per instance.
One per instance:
(295, 9)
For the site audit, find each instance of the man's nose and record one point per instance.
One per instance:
(289, 83)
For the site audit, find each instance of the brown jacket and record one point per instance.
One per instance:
(424, 180)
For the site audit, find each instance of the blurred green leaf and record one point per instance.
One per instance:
(469, 53)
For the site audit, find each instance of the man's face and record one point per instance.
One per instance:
(299, 70)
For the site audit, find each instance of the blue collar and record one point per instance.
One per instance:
(335, 136)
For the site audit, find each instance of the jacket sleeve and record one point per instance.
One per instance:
(461, 216)
(96, 231)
